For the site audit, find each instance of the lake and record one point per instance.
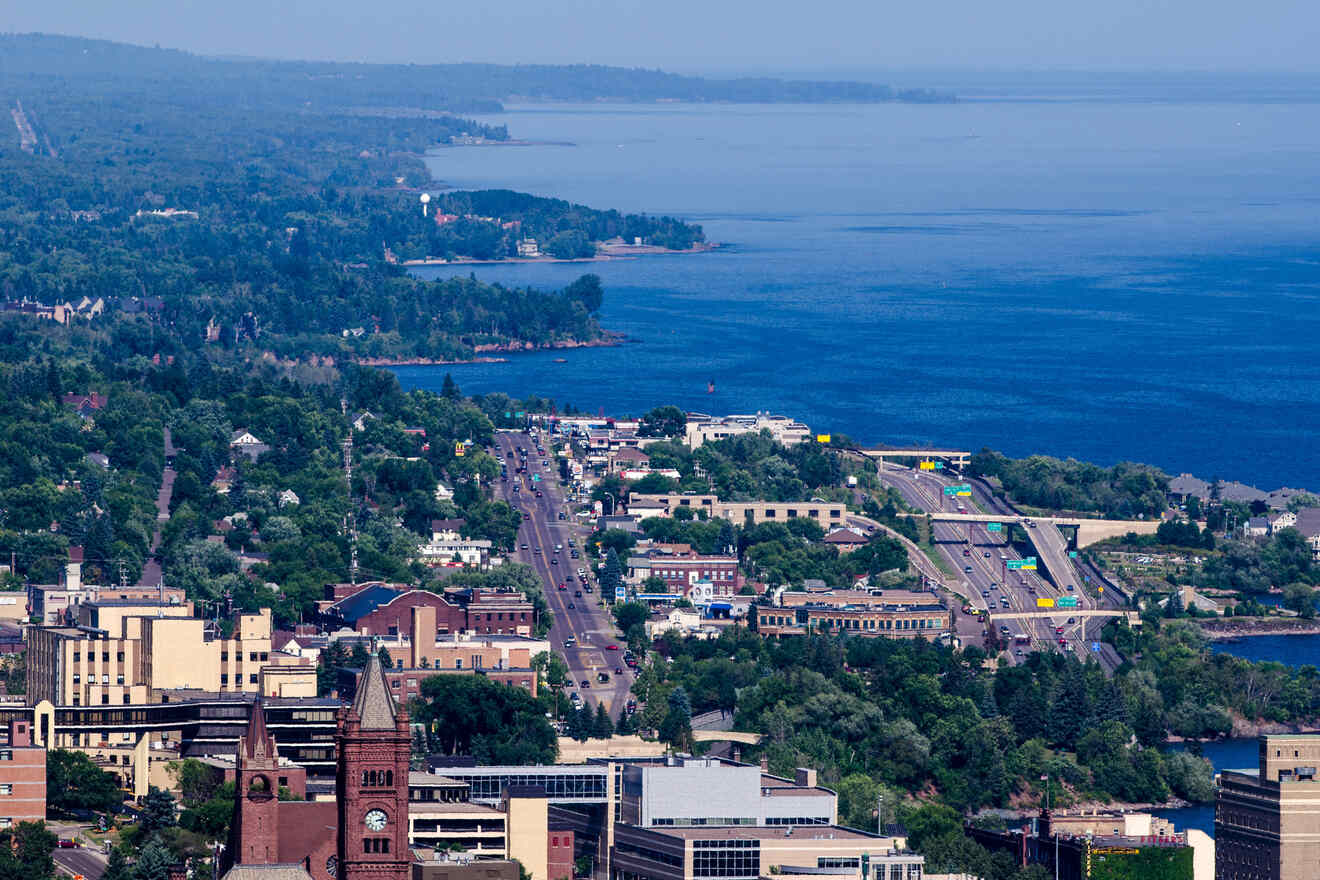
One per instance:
(1111, 271)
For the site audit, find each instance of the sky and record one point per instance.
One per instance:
(716, 36)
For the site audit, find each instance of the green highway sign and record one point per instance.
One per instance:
(963, 489)
(939, 465)
(994, 527)
(1015, 565)
(1072, 554)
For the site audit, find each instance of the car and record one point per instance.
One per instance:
(611, 647)
(65, 843)
(986, 554)
(1072, 620)
(554, 560)
(985, 594)
(538, 493)
(570, 642)
(586, 586)
(1071, 588)
(577, 593)
(562, 587)
(618, 670)
(602, 677)
(561, 516)
(575, 697)
(967, 552)
(572, 543)
(585, 684)
(571, 605)
(1058, 630)
(967, 569)
(536, 550)
(524, 546)
(1018, 652)
(574, 554)
(1003, 629)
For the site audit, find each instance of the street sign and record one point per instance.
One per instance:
(994, 527)
(1067, 601)
(962, 489)
(1072, 554)
(620, 593)
(536, 478)
(939, 465)
(1042, 602)
(1014, 565)
(1095, 646)
(927, 466)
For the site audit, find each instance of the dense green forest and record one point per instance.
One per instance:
(1124, 491)
(199, 195)
(466, 88)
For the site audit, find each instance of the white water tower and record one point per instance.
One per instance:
(426, 197)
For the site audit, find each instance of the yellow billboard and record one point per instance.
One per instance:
(823, 438)
(459, 449)
(1044, 603)
(927, 465)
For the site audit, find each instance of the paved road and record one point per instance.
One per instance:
(981, 557)
(81, 861)
(587, 621)
(151, 575)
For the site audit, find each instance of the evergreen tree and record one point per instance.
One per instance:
(154, 861)
(1069, 709)
(611, 575)
(603, 726)
(117, 868)
(986, 705)
(385, 659)
(676, 728)
(449, 390)
(157, 810)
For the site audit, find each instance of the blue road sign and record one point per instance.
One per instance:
(1095, 646)
(620, 593)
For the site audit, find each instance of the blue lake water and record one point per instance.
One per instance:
(1128, 272)
(1232, 754)
(1297, 650)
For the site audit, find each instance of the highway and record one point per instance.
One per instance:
(981, 556)
(587, 621)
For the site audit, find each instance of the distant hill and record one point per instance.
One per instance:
(465, 88)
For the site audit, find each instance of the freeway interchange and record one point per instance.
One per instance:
(587, 622)
(980, 559)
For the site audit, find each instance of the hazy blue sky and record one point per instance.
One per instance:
(715, 35)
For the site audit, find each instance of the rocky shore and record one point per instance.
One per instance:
(1236, 628)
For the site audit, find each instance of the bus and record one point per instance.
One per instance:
(1022, 639)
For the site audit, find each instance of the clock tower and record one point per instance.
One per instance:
(374, 748)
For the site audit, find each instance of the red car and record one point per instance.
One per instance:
(611, 647)
(562, 587)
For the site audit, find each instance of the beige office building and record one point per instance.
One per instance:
(1267, 820)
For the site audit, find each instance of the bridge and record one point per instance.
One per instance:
(737, 736)
(1064, 612)
(1089, 531)
(959, 458)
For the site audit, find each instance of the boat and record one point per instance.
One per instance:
(561, 360)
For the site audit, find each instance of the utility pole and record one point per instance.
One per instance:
(352, 518)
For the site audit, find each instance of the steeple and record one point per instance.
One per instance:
(257, 743)
(373, 703)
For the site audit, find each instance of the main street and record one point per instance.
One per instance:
(542, 531)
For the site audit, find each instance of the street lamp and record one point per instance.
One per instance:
(613, 504)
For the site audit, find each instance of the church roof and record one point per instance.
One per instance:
(257, 742)
(267, 872)
(373, 702)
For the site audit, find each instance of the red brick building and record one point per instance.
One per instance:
(395, 616)
(559, 852)
(22, 777)
(362, 835)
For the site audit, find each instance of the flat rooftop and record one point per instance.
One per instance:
(765, 832)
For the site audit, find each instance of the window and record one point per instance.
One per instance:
(252, 656)
(77, 656)
(127, 699)
(6, 788)
(105, 699)
(726, 858)
(224, 679)
(120, 656)
(252, 678)
(105, 656)
(6, 822)
(77, 679)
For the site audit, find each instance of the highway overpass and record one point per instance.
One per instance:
(1064, 612)
(957, 457)
(1089, 531)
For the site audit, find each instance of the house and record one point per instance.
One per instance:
(289, 498)
(628, 458)
(845, 540)
(99, 459)
(1279, 499)
(443, 492)
(85, 405)
(1186, 486)
(1284, 520)
(1240, 492)
(1256, 527)
(246, 443)
(447, 529)
(1308, 523)
(360, 419)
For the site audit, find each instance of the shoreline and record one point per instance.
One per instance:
(1227, 630)
(606, 254)
(609, 341)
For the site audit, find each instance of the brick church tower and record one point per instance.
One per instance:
(374, 748)
(254, 833)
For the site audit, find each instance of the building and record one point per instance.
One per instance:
(683, 570)
(846, 540)
(126, 652)
(1266, 826)
(57, 604)
(702, 428)
(750, 852)
(893, 613)
(362, 834)
(22, 777)
(1308, 523)
(829, 514)
(386, 610)
(244, 442)
(1101, 847)
(707, 791)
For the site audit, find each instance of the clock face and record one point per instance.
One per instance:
(375, 820)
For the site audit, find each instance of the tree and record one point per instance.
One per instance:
(385, 659)
(117, 867)
(26, 852)
(858, 796)
(449, 389)
(630, 614)
(611, 573)
(551, 668)
(157, 810)
(603, 726)
(496, 723)
(73, 782)
(197, 781)
(663, 421)
(1300, 597)
(676, 728)
(154, 861)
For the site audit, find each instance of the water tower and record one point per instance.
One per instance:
(426, 197)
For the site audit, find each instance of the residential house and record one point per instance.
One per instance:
(845, 540)
(85, 405)
(1308, 523)
(244, 442)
